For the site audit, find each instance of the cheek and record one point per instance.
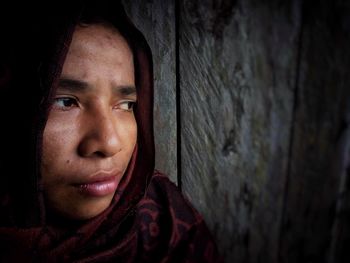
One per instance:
(126, 128)
(129, 134)
(58, 139)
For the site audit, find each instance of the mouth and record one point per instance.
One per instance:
(99, 186)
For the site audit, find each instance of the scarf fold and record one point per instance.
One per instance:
(148, 220)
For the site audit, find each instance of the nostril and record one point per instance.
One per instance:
(99, 154)
(101, 139)
(95, 146)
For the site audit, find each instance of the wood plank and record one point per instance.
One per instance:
(323, 94)
(237, 79)
(340, 240)
(156, 20)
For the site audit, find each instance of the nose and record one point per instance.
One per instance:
(100, 136)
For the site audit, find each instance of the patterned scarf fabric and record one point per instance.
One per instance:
(148, 220)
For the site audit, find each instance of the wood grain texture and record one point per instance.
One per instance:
(265, 117)
(340, 166)
(314, 187)
(156, 20)
(237, 78)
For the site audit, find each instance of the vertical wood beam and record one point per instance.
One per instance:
(237, 69)
(323, 95)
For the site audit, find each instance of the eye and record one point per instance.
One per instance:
(65, 103)
(127, 105)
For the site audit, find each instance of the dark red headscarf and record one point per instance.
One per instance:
(148, 220)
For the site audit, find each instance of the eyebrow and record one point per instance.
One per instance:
(74, 85)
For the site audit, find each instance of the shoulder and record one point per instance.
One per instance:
(164, 196)
(171, 227)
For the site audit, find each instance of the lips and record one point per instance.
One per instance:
(99, 185)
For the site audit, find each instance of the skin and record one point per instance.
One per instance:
(91, 129)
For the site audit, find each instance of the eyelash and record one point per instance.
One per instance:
(74, 103)
(130, 105)
(65, 100)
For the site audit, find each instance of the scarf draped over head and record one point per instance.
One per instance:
(148, 219)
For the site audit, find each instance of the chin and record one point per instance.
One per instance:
(82, 209)
(90, 210)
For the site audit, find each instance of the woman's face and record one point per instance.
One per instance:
(91, 130)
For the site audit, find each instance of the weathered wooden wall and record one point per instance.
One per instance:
(259, 92)
(156, 19)
(314, 186)
(238, 62)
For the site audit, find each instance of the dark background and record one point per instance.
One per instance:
(252, 120)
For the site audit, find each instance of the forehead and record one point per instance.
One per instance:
(102, 33)
(99, 38)
(98, 51)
